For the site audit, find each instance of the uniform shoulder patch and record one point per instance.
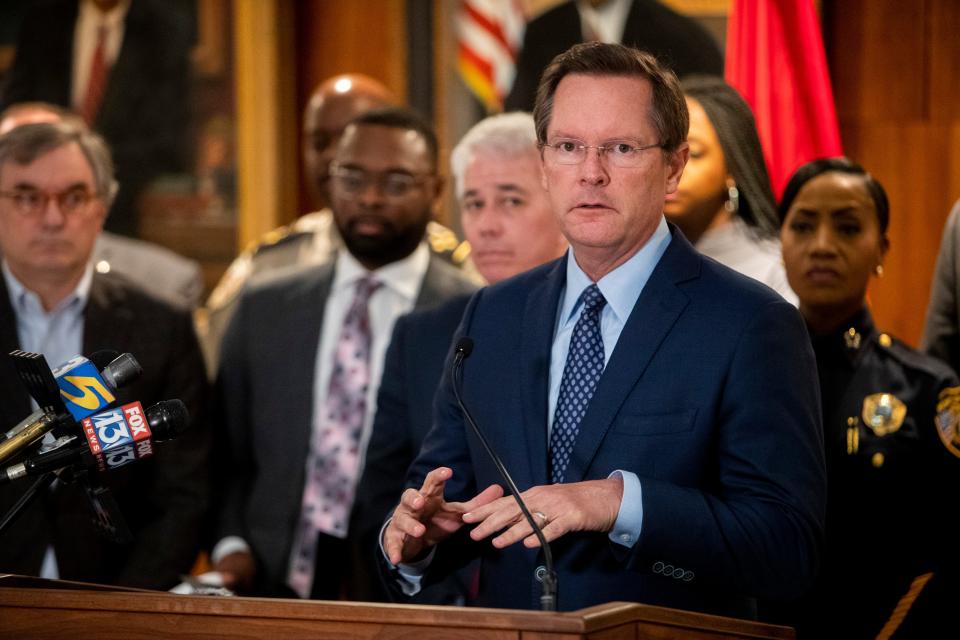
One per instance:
(948, 419)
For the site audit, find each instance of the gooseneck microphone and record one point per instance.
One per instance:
(548, 598)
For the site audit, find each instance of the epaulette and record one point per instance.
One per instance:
(273, 238)
(910, 357)
(445, 242)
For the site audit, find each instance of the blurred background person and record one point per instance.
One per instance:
(890, 415)
(56, 182)
(124, 67)
(724, 204)
(162, 272)
(941, 333)
(302, 362)
(679, 42)
(313, 238)
(511, 228)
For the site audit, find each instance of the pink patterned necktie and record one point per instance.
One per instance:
(332, 461)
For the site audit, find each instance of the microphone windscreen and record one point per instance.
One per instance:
(122, 370)
(465, 346)
(102, 358)
(167, 419)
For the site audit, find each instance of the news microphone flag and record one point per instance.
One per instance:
(82, 388)
(118, 436)
(775, 59)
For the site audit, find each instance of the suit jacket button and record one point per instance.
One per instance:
(687, 576)
(658, 567)
(540, 572)
(678, 573)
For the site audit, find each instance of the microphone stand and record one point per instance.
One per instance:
(42, 483)
(548, 597)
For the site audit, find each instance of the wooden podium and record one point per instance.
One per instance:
(33, 608)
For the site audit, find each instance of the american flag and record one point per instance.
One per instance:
(490, 33)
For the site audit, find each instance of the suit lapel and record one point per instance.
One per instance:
(108, 320)
(303, 309)
(16, 404)
(536, 342)
(652, 318)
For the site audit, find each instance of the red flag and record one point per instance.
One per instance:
(775, 58)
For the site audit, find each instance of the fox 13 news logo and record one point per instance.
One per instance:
(118, 436)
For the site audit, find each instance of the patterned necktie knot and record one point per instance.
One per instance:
(366, 286)
(593, 301)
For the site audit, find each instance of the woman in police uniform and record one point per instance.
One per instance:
(889, 415)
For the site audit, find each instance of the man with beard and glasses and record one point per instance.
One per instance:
(301, 364)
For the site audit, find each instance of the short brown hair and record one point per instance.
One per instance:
(670, 117)
(26, 143)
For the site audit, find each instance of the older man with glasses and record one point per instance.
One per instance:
(56, 185)
(302, 359)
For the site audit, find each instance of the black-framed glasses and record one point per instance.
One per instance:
(32, 203)
(621, 153)
(391, 184)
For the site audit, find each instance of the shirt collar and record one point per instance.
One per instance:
(621, 287)
(91, 15)
(21, 296)
(403, 276)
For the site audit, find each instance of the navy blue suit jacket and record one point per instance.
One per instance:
(411, 373)
(710, 396)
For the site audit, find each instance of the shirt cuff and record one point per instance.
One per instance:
(629, 522)
(226, 546)
(409, 575)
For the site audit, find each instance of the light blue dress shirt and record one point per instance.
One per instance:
(621, 288)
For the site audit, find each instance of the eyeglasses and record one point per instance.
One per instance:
(390, 184)
(33, 202)
(621, 153)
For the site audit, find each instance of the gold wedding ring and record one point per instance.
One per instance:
(543, 518)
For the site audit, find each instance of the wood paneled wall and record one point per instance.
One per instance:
(896, 77)
(358, 36)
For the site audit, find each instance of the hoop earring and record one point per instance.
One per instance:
(732, 205)
(879, 270)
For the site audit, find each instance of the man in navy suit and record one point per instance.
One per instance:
(511, 228)
(659, 411)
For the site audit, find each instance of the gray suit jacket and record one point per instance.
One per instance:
(265, 388)
(165, 274)
(941, 335)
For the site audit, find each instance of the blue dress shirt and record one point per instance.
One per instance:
(621, 288)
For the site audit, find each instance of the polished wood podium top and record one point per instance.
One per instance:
(33, 608)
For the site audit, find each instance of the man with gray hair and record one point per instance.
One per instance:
(511, 228)
(56, 186)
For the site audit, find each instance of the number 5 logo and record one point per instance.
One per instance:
(92, 390)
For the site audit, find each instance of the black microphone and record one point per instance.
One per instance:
(548, 598)
(112, 439)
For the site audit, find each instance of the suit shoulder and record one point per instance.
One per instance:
(287, 280)
(443, 315)
(116, 290)
(731, 286)
(447, 279)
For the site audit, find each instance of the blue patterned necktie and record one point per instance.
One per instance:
(581, 373)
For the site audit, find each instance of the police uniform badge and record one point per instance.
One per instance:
(948, 419)
(883, 413)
